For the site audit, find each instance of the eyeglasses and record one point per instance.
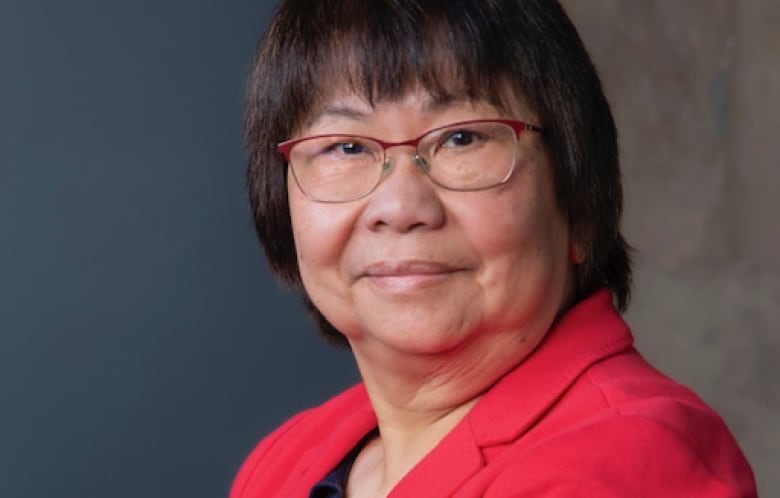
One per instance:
(464, 156)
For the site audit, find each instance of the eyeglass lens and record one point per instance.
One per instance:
(466, 156)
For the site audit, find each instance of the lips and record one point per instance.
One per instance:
(408, 275)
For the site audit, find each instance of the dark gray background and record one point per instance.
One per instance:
(144, 348)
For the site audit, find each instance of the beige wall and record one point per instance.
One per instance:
(695, 88)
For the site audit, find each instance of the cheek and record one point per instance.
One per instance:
(514, 228)
(321, 232)
(524, 242)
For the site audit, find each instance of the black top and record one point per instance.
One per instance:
(334, 485)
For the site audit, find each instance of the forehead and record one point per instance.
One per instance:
(350, 105)
(358, 107)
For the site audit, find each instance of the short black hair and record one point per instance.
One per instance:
(487, 50)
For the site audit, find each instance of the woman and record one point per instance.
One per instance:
(439, 180)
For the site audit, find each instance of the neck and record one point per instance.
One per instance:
(419, 399)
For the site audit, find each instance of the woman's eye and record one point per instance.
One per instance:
(346, 148)
(460, 138)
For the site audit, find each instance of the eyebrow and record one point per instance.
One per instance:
(344, 110)
(339, 110)
(445, 100)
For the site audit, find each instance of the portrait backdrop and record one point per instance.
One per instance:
(144, 347)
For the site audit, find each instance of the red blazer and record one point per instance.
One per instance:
(583, 416)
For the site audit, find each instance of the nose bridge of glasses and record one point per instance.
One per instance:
(413, 144)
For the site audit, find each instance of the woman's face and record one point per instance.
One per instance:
(423, 270)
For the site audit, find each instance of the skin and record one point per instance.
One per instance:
(439, 293)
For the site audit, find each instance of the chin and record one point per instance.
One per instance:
(414, 337)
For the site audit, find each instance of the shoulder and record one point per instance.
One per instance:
(261, 452)
(631, 455)
(624, 429)
(306, 434)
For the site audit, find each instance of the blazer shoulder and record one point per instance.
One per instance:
(282, 449)
(632, 453)
(266, 446)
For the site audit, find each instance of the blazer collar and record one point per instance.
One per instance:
(590, 331)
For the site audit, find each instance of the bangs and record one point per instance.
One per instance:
(382, 50)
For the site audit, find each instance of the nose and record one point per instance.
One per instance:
(406, 199)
